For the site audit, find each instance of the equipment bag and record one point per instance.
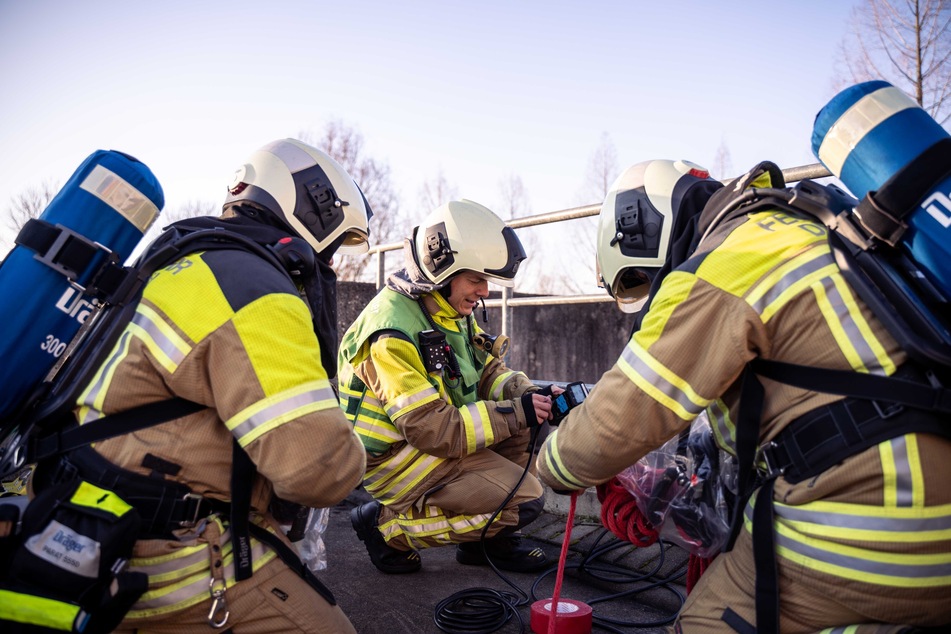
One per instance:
(66, 569)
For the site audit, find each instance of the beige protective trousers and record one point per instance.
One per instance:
(458, 506)
(274, 600)
(806, 605)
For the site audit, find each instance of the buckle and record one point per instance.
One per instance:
(767, 453)
(195, 515)
(888, 410)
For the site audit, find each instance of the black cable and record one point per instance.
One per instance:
(484, 610)
(619, 575)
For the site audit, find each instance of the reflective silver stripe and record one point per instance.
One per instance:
(436, 525)
(789, 279)
(194, 590)
(499, 388)
(858, 564)
(860, 119)
(369, 399)
(394, 470)
(94, 390)
(166, 345)
(396, 405)
(378, 428)
(659, 382)
(476, 423)
(723, 427)
(852, 331)
(903, 571)
(909, 525)
(125, 199)
(904, 486)
(839, 306)
(281, 408)
(463, 524)
(406, 479)
(385, 471)
(164, 566)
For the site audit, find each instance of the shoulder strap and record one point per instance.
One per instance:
(125, 422)
(865, 386)
(883, 212)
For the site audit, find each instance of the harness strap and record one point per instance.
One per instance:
(816, 441)
(117, 424)
(820, 439)
(59, 247)
(163, 505)
(242, 478)
(883, 212)
(865, 386)
(292, 561)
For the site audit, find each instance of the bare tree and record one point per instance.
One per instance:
(722, 167)
(602, 171)
(906, 43)
(345, 145)
(191, 209)
(29, 203)
(514, 201)
(435, 192)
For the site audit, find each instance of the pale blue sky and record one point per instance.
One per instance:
(479, 90)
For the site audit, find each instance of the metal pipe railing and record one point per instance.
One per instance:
(791, 175)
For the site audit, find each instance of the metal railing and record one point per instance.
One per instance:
(507, 302)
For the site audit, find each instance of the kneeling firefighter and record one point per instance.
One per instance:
(445, 423)
(861, 535)
(250, 342)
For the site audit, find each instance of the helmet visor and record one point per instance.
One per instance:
(632, 286)
(505, 276)
(354, 243)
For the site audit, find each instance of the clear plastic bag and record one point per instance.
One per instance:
(685, 489)
(311, 547)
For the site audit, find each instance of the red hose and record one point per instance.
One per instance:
(620, 515)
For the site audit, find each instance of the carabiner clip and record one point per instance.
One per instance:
(218, 605)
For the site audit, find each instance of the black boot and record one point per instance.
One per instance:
(507, 552)
(386, 558)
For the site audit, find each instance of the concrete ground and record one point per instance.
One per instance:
(394, 604)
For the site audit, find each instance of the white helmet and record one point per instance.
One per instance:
(465, 236)
(309, 191)
(645, 209)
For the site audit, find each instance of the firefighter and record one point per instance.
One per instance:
(255, 347)
(444, 422)
(866, 537)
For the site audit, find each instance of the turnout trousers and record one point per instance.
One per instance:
(457, 507)
(274, 600)
(725, 595)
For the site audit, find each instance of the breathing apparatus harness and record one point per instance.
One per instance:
(61, 447)
(876, 408)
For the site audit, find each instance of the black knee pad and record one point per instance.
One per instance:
(528, 512)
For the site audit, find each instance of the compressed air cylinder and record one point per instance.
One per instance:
(866, 134)
(112, 199)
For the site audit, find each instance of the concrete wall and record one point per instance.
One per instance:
(567, 342)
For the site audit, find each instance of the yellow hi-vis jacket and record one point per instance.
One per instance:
(414, 423)
(227, 330)
(870, 531)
